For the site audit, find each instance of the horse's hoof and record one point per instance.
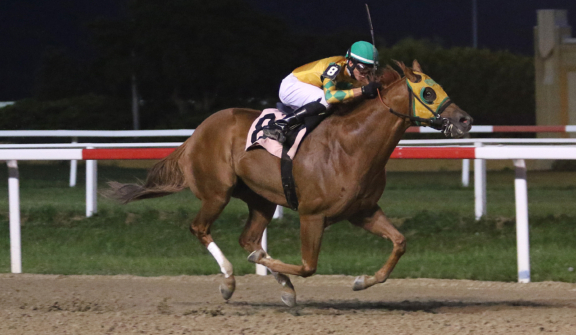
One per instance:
(256, 256)
(359, 283)
(288, 297)
(227, 287)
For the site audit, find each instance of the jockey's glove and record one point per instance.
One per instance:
(370, 91)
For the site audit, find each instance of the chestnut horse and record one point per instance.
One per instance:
(339, 173)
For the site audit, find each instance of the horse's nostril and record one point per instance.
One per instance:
(467, 120)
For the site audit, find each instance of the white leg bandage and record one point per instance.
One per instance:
(225, 265)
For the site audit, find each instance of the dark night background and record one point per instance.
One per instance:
(305, 31)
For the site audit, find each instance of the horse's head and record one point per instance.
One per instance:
(429, 105)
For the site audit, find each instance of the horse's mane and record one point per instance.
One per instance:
(386, 76)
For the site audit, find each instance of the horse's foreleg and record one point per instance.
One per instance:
(200, 227)
(311, 230)
(377, 223)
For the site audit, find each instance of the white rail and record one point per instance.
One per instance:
(74, 134)
(480, 153)
(91, 145)
(472, 141)
(188, 132)
(97, 133)
(447, 142)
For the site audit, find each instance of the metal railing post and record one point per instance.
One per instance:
(465, 172)
(14, 208)
(91, 187)
(522, 234)
(73, 167)
(479, 186)
(466, 168)
(279, 213)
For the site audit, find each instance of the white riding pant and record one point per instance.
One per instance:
(296, 94)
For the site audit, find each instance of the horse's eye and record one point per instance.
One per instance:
(428, 95)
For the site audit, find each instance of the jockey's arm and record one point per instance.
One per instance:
(334, 95)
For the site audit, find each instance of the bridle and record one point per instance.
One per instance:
(437, 121)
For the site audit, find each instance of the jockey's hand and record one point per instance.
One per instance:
(370, 91)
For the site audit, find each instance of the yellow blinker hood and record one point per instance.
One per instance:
(419, 103)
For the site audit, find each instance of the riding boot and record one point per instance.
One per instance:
(279, 129)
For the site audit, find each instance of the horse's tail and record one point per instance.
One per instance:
(163, 179)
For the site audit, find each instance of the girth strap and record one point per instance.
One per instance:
(288, 179)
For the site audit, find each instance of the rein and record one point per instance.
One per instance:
(437, 122)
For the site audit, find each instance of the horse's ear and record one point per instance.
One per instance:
(407, 72)
(416, 66)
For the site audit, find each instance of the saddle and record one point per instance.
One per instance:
(286, 151)
(310, 122)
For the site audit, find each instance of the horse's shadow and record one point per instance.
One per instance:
(428, 306)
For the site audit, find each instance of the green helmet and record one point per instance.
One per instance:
(363, 52)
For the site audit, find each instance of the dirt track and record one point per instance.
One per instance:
(48, 304)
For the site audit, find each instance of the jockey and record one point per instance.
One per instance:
(311, 88)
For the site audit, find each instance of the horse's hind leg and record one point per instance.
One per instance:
(200, 227)
(260, 215)
(377, 223)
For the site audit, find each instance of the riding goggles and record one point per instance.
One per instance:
(364, 69)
